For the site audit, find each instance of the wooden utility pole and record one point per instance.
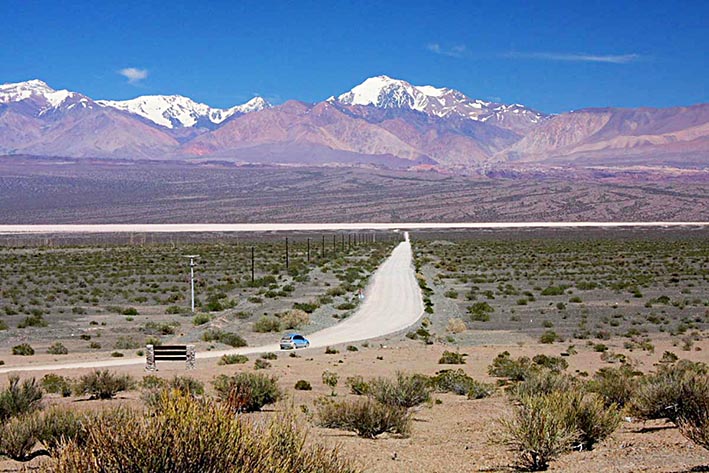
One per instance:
(308, 250)
(287, 253)
(322, 253)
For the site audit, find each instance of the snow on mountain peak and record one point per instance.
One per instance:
(20, 91)
(386, 92)
(176, 111)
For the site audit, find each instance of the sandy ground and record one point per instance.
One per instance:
(268, 227)
(455, 434)
(392, 303)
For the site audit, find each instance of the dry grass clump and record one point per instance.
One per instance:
(615, 385)
(294, 318)
(188, 435)
(367, 417)
(456, 325)
(452, 358)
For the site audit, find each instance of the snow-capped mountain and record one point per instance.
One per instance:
(176, 111)
(41, 97)
(385, 92)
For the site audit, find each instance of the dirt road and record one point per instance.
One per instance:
(392, 303)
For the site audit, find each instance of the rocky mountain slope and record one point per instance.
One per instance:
(382, 121)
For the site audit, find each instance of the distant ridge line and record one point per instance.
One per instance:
(280, 227)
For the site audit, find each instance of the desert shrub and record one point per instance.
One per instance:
(261, 364)
(659, 395)
(129, 311)
(18, 436)
(553, 363)
(57, 348)
(357, 385)
(267, 323)
(201, 319)
(693, 418)
(247, 392)
(126, 343)
(269, 356)
(233, 359)
(33, 321)
(55, 384)
(186, 385)
(456, 326)
(3, 325)
(458, 382)
(537, 432)
(406, 390)
(152, 381)
(227, 338)
(308, 307)
(352, 348)
(294, 318)
(23, 349)
(480, 311)
(452, 358)
(103, 384)
(589, 415)
(303, 385)
(503, 366)
(549, 336)
(615, 385)
(543, 382)
(330, 379)
(331, 351)
(165, 441)
(176, 310)
(366, 417)
(19, 398)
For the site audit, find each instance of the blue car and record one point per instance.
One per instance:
(293, 341)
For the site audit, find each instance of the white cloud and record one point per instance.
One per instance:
(578, 57)
(133, 74)
(454, 51)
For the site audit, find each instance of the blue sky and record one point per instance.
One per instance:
(553, 56)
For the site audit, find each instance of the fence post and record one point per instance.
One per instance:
(149, 358)
(190, 358)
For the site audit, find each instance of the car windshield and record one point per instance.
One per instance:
(285, 338)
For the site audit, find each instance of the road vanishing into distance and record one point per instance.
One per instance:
(282, 227)
(392, 303)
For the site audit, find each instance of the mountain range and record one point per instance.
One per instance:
(381, 122)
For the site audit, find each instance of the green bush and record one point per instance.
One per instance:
(452, 358)
(593, 420)
(269, 356)
(19, 398)
(56, 384)
(537, 432)
(406, 390)
(503, 366)
(201, 319)
(103, 384)
(458, 382)
(366, 417)
(480, 311)
(33, 321)
(261, 364)
(267, 323)
(542, 383)
(615, 385)
(330, 379)
(233, 359)
(549, 336)
(357, 385)
(247, 392)
(693, 418)
(23, 349)
(303, 385)
(165, 441)
(659, 395)
(57, 348)
(227, 338)
(130, 311)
